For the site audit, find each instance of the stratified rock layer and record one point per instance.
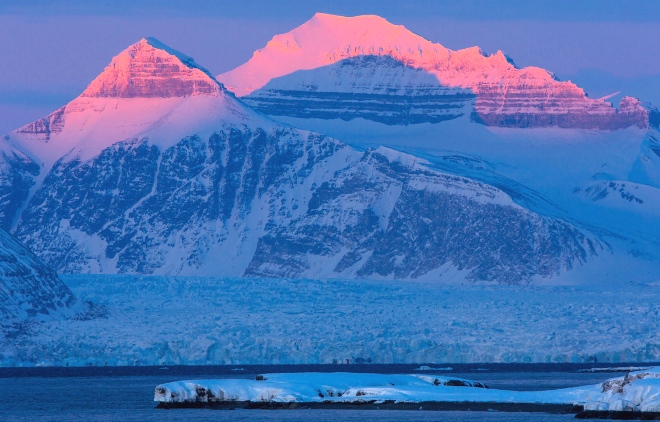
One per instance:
(150, 69)
(377, 88)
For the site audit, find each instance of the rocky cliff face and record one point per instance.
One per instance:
(505, 95)
(53, 123)
(518, 109)
(17, 177)
(400, 220)
(28, 288)
(151, 69)
(284, 203)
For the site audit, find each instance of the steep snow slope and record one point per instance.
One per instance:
(387, 217)
(505, 95)
(28, 288)
(155, 168)
(286, 203)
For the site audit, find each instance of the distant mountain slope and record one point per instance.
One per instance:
(503, 95)
(28, 288)
(156, 168)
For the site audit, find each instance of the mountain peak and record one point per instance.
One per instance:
(330, 19)
(506, 95)
(151, 69)
(323, 40)
(326, 39)
(149, 90)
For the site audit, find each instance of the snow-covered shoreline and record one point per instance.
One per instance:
(343, 387)
(634, 393)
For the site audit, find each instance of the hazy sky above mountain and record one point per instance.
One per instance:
(51, 50)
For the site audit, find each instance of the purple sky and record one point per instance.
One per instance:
(51, 50)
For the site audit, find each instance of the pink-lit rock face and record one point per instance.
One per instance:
(506, 95)
(52, 123)
(148, 69)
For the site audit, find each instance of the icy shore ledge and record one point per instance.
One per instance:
(352, 387)
(634, 393)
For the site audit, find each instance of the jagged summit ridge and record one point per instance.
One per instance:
(505, 94)
(149, 69)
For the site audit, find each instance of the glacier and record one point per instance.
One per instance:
(153, 320)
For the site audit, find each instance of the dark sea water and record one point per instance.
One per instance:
(126, 393)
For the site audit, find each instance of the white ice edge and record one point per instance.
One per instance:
(637, 391)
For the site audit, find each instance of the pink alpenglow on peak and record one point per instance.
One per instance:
(147, 91)
(326, 39)
(505, 95)
(151, 69)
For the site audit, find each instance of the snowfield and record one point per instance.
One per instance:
(637, 391)
(151, 320)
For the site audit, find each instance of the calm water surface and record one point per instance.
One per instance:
(126, 394)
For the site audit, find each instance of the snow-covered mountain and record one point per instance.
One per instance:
(364, 66)
(156, 168)
(547, 144)
(28, 288)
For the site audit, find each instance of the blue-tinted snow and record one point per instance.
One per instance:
(159, 320)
